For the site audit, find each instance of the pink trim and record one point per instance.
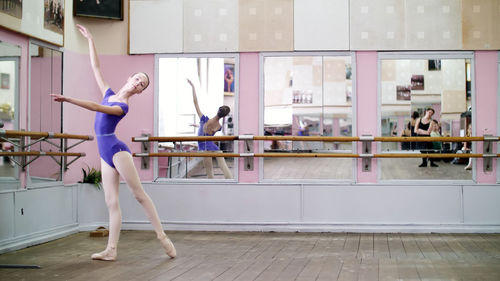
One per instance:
(486, 76)
(248, 110)
(366, 97)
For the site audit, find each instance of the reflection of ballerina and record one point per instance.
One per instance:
(116, 159)
(208, 127)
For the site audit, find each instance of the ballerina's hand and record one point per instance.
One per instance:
(190, 83)
(58, 98)
(84, 31)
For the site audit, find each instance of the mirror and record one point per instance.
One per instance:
(9, 98)
(214, 81)
(308, 96)
(45, 115)
(409, 87)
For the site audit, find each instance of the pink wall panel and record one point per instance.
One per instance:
(249, 109)
(486, 106)
(366, 96)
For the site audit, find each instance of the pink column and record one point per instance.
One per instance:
(486, 75)
(366, 109)
(248, 110)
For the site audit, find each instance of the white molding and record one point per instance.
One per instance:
(315, 227)
(20, 242)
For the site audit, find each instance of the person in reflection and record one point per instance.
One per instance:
(208, 127)
(116, 159)
(467, 147)
(414, 116)
(423, 129)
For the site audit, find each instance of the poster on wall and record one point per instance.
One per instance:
(4, 80)
(12, 7)
(229, 79)
(417, 82)
(403, 93)
(54, 15)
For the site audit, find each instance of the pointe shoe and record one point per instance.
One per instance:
(168, 246)
(106, 255)
(468, 167)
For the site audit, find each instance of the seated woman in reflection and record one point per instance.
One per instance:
(435, 132)
(116, 159)
(208, 127)
(422, 129)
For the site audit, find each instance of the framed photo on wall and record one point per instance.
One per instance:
(403, 93)
(4, 81)
(229, 79)
(106, 9)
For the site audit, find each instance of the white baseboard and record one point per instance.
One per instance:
(36, 238)
(315, 227)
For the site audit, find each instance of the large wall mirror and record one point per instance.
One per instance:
(9, 103)
(214, 79)
(46, 70)
(410, 88)
(308, 95)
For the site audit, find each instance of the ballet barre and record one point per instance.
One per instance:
(23, 140)
(366, 154)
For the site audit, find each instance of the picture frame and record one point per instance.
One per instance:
(5, 81)
(417, 82)
(434, 65)
(403, 93)
(104, 9)
(229, 79)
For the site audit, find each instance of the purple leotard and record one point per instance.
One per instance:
(104, 127)
(205, 145)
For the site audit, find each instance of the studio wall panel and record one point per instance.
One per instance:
(210, 26)
(377, 25)
(265, 25)
(155, 26)
(481, 21)
(433, 25)
(321, 24)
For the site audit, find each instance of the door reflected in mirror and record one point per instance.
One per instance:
(45, 115)
(9, 97)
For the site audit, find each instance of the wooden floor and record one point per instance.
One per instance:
(266, 256)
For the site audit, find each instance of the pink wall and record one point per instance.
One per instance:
(486, 75)
(79, 82)
(366, 100)
(249, 110)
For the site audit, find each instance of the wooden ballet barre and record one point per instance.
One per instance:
(313, 138)
(316, 155)
(430, 139)
(37, 135)
(41, 153)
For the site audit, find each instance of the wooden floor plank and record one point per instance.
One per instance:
(265, 256)
(381, 245)
(366, 246)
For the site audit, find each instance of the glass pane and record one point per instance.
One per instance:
(45, 115)
(213, 80)
(434, 96)
(307, 96)
(9, 96)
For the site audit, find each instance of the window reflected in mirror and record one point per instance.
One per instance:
(45, 115)
(308, 96)
(426, 97)
(9, 97)
(191, 92)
